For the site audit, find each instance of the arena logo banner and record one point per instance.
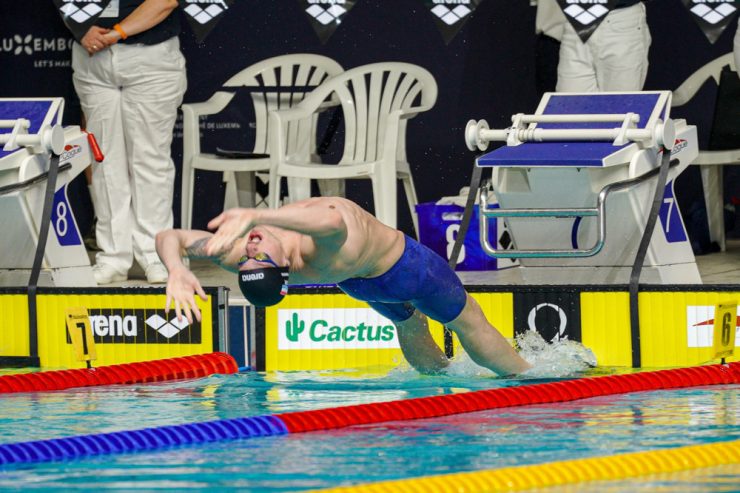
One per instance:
(712, 16)
(326, 15)
(203, 15)
(141, 326)
(79, 16)
(451, 15)
(586, 15)
(554, 314)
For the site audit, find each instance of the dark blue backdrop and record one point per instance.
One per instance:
(486, 71)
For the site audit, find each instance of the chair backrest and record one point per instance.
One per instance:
(282, 82)
(693, 83)
(370, 95)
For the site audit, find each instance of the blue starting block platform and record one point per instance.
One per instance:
(30, 135)
(576, 180)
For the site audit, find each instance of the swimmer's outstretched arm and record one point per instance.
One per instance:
(182, 285)
(320, 221)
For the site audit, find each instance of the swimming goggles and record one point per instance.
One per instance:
(260, 257)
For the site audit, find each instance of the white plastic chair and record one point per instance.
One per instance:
(376, 100)
(710, 161)
(278, 82)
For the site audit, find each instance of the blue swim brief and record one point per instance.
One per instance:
(421, 279)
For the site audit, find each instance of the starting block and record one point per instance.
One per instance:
(576, 181)
(30, 133)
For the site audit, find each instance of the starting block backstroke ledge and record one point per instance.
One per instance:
(576, 181)
(30, 134)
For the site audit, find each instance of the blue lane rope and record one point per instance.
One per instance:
(76, 447)
(340, 417)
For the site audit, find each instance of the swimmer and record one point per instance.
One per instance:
(331, 240)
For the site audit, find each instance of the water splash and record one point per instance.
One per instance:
(557, 359)
(549, 360)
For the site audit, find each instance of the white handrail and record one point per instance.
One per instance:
(478, 134)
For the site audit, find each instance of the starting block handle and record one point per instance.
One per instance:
(12, 123)
(582, 118)
(491, 251)
(478, 134)
(50, 138)
(599, 212)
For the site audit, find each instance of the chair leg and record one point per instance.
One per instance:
(299, 189)
(408, 186)
(711, 178)
(231, 198)
(332, 187)
(273, 196)
(384, 195)
(186, 201)
(246, 188)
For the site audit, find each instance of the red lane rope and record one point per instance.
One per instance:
(429, 407)
(197, 366)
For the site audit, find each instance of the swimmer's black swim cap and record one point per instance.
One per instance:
(264, 287)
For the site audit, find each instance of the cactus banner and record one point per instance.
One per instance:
(335, 328)
(326, 15)
(586, 15)
(712, 16)
(451, 15)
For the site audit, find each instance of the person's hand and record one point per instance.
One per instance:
(182, 286)
(95, 40)
(229, 225)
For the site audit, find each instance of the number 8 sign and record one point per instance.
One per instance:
(63, 221)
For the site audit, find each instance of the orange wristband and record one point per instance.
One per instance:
(120, 30)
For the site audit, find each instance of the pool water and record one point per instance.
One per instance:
(534, 434)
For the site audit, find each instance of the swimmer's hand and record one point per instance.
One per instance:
(229, 225)
(182, 286)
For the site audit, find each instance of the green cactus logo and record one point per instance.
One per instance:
(293, 329)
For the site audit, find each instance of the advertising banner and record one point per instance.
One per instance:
(326, 15)
(451, 15)
(125, 325)
(204, 15)
(586, 15)
(554, 314)
(78, 16)
(712, 16)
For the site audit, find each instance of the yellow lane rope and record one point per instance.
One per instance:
(609, 468)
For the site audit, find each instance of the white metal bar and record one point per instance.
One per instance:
(11, 123)
(554, 134)
(22, 139)
(581, 118)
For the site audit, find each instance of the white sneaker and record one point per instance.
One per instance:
(156, 273)
(105, 274)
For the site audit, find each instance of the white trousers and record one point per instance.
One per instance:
(130, 95)
(736, 48)
(615, 57)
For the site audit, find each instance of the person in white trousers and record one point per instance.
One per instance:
(130, 76)
(736, 48)
(615, 56)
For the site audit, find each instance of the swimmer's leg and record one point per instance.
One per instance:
(485, 345)
(418, 346)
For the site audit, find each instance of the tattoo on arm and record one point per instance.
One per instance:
(197, 249)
